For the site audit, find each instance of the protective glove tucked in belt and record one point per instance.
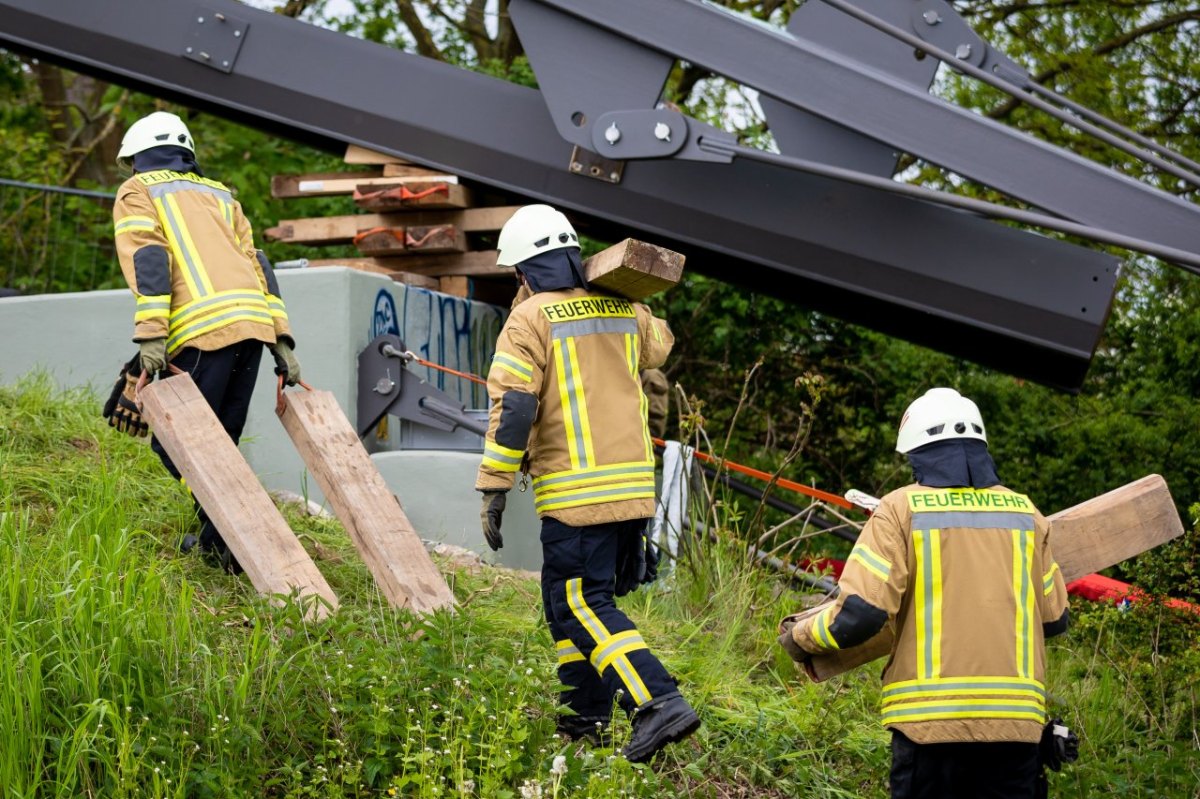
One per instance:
(121, 410)
(490, 516)
(286, 364)
(1058, 745)
(153, 355)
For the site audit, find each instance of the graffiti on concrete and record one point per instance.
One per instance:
(446, 330)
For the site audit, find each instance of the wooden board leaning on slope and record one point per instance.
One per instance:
(227, 488)
(363, 502)
(1086, 538)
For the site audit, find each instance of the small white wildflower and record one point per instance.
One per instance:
(560, 765)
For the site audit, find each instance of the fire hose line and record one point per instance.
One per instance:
(808, 491)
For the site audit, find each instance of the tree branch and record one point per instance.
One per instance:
(426, 46)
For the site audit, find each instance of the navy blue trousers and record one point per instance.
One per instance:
(1006, 770)
(600, 651)
(226, 378)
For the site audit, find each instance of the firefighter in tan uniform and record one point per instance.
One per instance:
(567, 405)
(207, 300)
(962, 566)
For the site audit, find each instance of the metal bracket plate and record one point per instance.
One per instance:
(214, 39)
(586, 163)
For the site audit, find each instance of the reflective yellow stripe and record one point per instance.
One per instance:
(198, 311)
(589, 454)
(1022, 694)
(127, 224)
(613, 492)
(620, 644)
(1048, 580)
(276, 306)
(207, 324)
(927, 602)
(189, 245)
(501, 458)
(948, 683)
(564, 395)
(654, 323)
(966, 709)
(629, 361)
(568, 653)
(595, 474)
(599, 633)
(821, 628)
(871, 560)
(1025, 600)
(157, 306)
(513, 365)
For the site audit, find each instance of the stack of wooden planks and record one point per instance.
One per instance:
(419, 226)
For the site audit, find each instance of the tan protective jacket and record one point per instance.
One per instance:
(567, 401)
(188, 255)
(968, 580)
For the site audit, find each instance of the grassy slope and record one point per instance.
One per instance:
(128, 670)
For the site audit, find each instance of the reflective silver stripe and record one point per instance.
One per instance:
(590, 327)
(250, 298)
(976, 520)
(159, 190)
(516, 365)
(590, 497)
(573, 395)
(496, 454)
(618, 643)
(890, 694)
(194, 269)
(596, 475)
(204, 325)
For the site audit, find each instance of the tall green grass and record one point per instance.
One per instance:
(128, 670)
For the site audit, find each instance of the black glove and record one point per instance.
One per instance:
(120, 410)
(1058, 745)
(651, 560)
(490, 516)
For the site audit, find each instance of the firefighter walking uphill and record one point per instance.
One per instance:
(207, 300)
(568, 406)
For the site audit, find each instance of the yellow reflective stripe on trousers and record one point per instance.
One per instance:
(599, 633)
(927, 604)
(1026, 601)
(620, 644)
(127, 224)
(1048, 580)
(568, 652)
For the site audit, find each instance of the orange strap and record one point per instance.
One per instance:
(465, 375)
(815, 493)
(396, 233)
(412, 241)
(807, 491)
(404, 193)
(279, 394)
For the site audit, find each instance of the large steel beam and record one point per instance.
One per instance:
(874, 104)
(1013, 300)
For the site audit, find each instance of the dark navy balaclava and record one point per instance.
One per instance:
(554, 270)
(954, 463)
(166, 156)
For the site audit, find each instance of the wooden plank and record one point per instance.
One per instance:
(371, 514)
(473, 264)
(405, 193)
(418, 281)
(634, 269)
(409, 171)
(380, 241)
(455, 285)
(361, 155)
(432, 239)
(231, 495)
(1085, 538)
(329, 184)
(343, 229)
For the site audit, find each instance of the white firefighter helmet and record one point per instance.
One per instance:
(939, 414)
(532, 230)
(155, 130)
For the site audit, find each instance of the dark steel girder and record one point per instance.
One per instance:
(1013, 300)
(892, 111)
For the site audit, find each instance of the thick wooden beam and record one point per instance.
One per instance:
(398, 194)
(419, 281)
(343, 229)
(634, 269)
(329, 184)
(473, 264)
(231, 495)
(1086, 538)
(361, 155)
(363, 502)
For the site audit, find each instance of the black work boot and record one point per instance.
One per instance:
(592, 728)
(663, 721)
